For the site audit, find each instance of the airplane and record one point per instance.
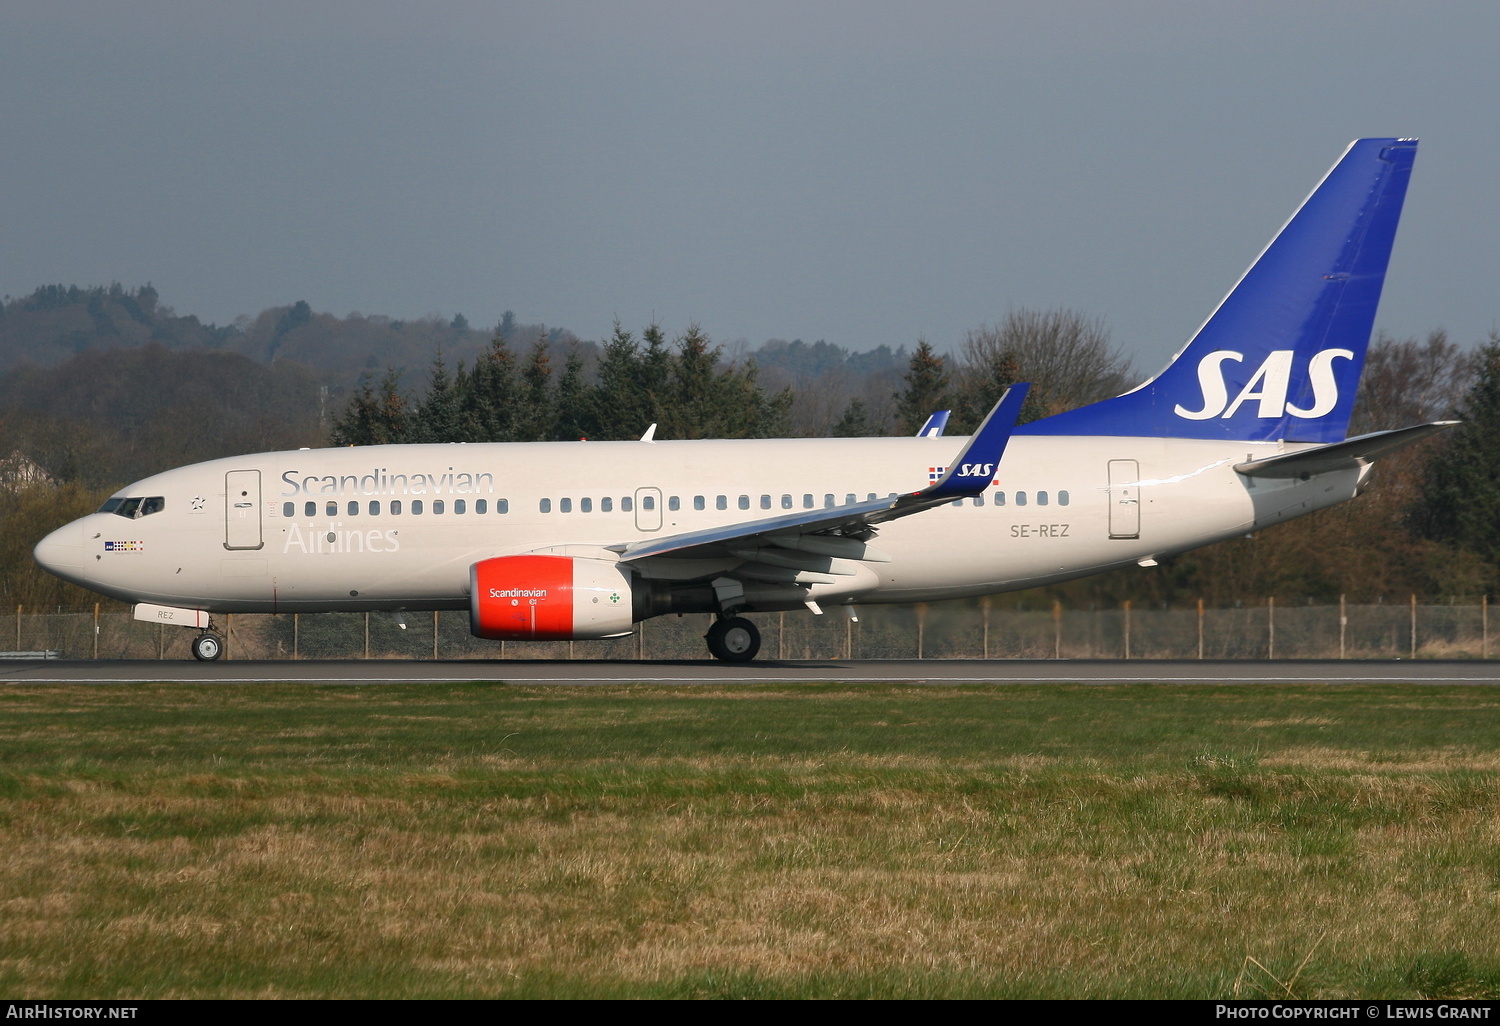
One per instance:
(1245, 428)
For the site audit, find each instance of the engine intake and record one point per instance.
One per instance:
(549, 598)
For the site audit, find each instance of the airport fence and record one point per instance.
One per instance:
(950, 630)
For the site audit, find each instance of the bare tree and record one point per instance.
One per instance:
(1067, 356)
(1408, 381)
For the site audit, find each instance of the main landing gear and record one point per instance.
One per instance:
(733, 640)
(207, 647)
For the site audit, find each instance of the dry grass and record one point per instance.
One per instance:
(174, 841)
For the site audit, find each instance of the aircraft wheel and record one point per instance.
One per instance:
(735, 640)
(207, 647)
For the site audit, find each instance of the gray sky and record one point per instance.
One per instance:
(862, 172)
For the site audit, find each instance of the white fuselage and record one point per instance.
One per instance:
(319, 529)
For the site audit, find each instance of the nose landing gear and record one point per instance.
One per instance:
(733, 640)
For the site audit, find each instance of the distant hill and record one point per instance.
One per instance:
(58, 322)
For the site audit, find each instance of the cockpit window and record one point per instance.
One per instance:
(134, 508)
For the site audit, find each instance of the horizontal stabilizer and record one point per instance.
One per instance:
(1352, 453)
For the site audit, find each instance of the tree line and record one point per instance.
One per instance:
(104, 416)
(683, 387)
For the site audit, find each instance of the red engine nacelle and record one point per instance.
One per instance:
(548, 598)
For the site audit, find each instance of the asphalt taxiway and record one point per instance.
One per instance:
(598, 672)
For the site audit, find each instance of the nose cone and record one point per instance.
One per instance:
(61, 552)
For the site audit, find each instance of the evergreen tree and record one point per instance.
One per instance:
(487, 407)
(616, 410)
(536, 417)
(926, 389)
(392, 415)
(653, 374)
(354, 426)
(437, 417)
(855, 422)
(374, 417)
(570, 400)
(981, 388)
(691, 412)
(1460, 502)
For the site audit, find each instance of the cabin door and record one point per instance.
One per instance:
(242, 510)
(1124, 499)
(648, 509)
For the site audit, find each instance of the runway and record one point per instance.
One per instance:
(706, 672)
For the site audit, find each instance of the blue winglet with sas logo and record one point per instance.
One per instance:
(973, 470)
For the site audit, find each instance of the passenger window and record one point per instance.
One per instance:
(721, 502)
(395, 507)
(849, 499)
(765, 502)
(437, 506)
(545, 506)
(481, 506)
(1041, 498)
(459, 506)
(698, 502)
(978, 500)
(744, 502)
(828, 500)
(585, 505)
(786, 502)
(416, 507)
(606, 504)
(1062, 498)
(503, 506)
(807, 500)
(374, 507)
(332, 509)
(674, 503)
(626, 504)
(999, 498)
(648, 502)
(288, 509)
(353, 508)
(565, 505)
(1020, 498)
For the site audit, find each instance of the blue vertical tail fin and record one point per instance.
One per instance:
(1280, 358)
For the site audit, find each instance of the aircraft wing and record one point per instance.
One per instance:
(1346, 455)
(816, 537)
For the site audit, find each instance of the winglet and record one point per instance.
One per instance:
(935, 424)
(973, 469)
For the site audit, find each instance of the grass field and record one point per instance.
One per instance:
(758, 841)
